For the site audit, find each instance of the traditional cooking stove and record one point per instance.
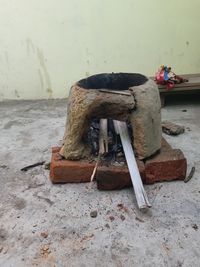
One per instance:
(129, 97)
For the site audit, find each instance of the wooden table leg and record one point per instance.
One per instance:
(162, 98)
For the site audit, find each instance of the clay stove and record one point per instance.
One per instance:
(138, 103)
(126, 97)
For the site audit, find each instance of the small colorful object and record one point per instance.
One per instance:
(166, 77)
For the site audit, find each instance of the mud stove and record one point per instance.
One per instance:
(107, 98)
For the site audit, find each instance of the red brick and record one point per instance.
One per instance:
(55, 149)
(68, 171)
(109, 178)
(170, 164)
(115, 177)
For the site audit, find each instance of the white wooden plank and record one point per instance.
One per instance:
(141, 196)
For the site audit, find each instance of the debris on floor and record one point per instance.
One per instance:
(189, 177)
(45, 250)
(171, 128)
(93, 214)
(44, 234)
(47, 165)
(24, 169)
(195, 227)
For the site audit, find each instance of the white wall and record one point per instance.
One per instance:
(47, 45)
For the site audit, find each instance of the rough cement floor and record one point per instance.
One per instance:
(50, 225)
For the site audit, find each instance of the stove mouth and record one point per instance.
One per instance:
(113, 81)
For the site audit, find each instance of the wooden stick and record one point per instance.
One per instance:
(103, 136)
(189, 177)
(103, 144)
(119, 92)
(95, 169)
(32, 166)
(141, 196)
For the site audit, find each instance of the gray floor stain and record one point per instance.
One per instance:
(19, 203)
(3, 234)
(9, 124)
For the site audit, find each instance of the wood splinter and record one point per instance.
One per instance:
(103, 144)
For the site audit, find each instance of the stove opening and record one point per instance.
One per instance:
(113, 81)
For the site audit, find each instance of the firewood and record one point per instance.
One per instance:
(103, 144)
(95, 169)
(141, 196)
(103, 136)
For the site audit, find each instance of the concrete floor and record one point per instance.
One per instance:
(50, 225)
